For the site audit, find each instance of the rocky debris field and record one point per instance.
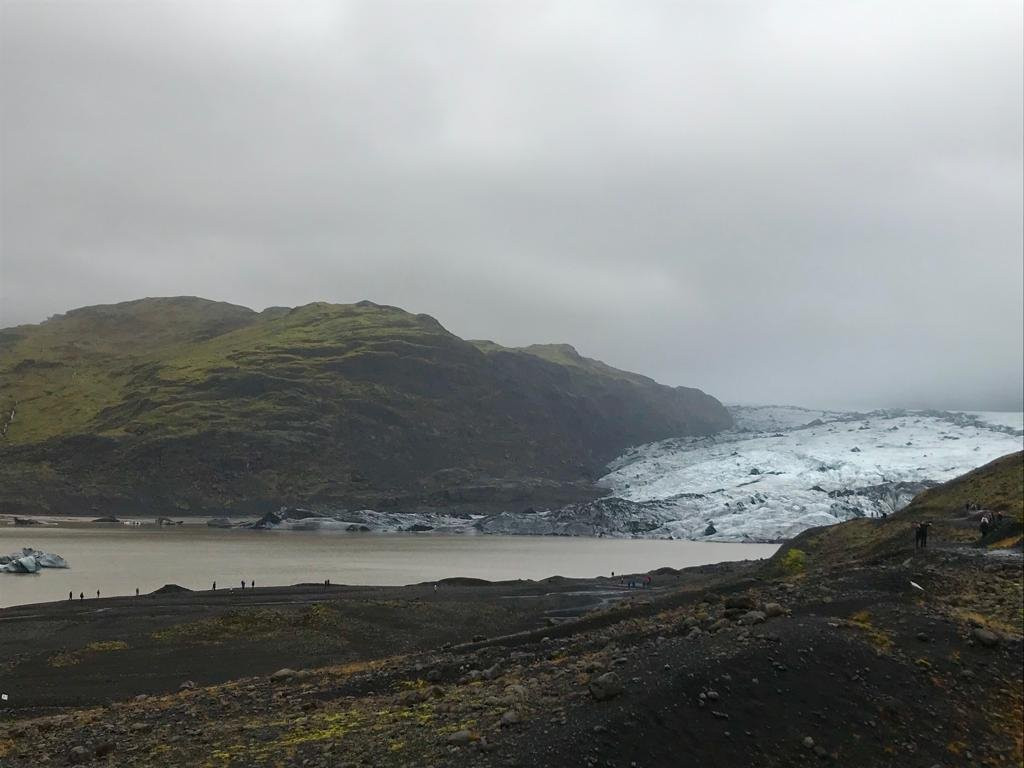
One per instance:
(737, 667)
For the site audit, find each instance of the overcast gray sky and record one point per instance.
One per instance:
(787, 202)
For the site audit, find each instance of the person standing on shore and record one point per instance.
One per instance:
(71, 596)
(921, 535)
(81, 595)
(243, 585)
(215, 586)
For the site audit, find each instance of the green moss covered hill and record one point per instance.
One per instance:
(189, 405)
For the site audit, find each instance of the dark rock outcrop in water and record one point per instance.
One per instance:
(609, 516)
(198, 407)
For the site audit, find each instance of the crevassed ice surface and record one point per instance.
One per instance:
(782, 470)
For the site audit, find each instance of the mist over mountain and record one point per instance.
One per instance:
(791, 203)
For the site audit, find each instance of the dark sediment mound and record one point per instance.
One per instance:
(666, 571)
(170, 589)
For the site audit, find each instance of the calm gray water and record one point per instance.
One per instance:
(116, 559)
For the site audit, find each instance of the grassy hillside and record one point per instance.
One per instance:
(997, 487)
(194, 405)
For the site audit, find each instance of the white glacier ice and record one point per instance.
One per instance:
(782, 470)
(779, 471)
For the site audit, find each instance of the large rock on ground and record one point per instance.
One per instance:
(606, 686)
(984, 637)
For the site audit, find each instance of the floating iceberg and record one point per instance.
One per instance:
(30, 561)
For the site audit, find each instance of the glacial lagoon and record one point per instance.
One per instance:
(115, 559)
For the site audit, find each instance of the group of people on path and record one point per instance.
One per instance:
(989, 520)
(81, 595)
(635, 583)
(252, 585)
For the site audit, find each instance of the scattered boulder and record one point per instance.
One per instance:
(415, 696)
(511, 717)
(771, 610)
(283, 674)
(105, 748)
(78, 754)
(606, 686)
(719, 625)
(984, 637)
(752, 617)
(492, 672)
(461, 738)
